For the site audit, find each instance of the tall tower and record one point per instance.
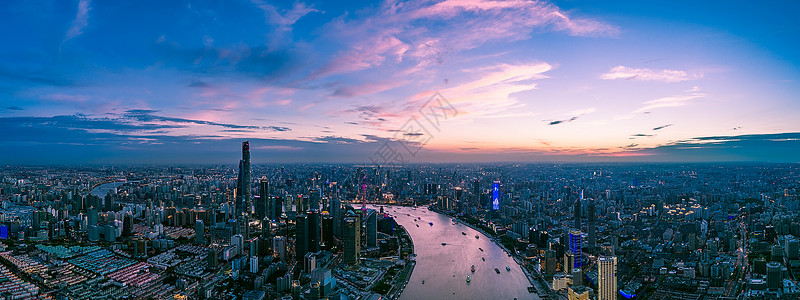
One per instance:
(246, 182)
(263, 205)
(577, 212)
(592, 229)
(575, 246)
(351, 240)
(607, 281)
(496, 195)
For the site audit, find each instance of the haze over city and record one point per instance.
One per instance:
(89, 82)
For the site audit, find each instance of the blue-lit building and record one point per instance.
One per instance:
(575, 246)
(496, 195)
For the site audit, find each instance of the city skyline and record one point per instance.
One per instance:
(86, 82)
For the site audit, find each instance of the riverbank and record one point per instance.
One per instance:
(408, 269)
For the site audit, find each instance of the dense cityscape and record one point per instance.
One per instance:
(315, 231)
(399, 150)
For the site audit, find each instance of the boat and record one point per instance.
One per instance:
(464, 233)
(444, 244)
(472, 269)
(477, 237)
(508, 269)
(483, 258)
(417, 225)
(468, 278)
(423, 282)
(497, 270)
(431, 223)
(481, 249)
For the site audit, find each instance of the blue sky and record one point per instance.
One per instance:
(187, 81)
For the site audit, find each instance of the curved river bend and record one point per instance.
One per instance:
(445, 268)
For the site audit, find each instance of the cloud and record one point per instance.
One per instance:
(279, 148)
(81, 20)
(644, 74)
(14, 107)
(368, 88)
(286, 20)
(148, 116)
(775, 147)
(664, 102)
(662, 126)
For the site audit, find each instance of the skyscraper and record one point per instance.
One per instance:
(592, 239)
(263, 207)
(351, 240)
(200, 232)
(496, 195)
(313, 228)
(301, 238)
(575, 246)
(372, 229)
(577, 212)
(607, 281)
(244, 182)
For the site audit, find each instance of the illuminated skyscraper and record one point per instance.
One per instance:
(496, 195)
(575, 246)
(607, 278)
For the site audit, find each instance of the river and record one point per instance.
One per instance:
(445, 268)
(102, 190)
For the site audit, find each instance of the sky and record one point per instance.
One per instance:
(118, 82)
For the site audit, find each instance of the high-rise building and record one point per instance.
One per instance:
(592, 238)
(199, 232)
(336, 215)
(277, 207)
(313, 233)
(351, 240)
(254, 264)
(263, 207)
(279, 247)
(607, 278)
(372, 229)
(575, 246)
(577, 213)
(244, 181)
(774, 275)
(496, 195)
(301, 238)
(238, 241)
(92, 212)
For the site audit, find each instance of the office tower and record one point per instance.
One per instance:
(577, 276)
(127, 225)
(199, 232)
(336, 215)
(279, 247)
(774, 275)
(607, 278)
(310, 263)
(496, 195)
(296, 289)
(326, 282)
(277, 208)
(372, 229)
(793, 249)
(575, 246)
(254, 264)
(301, 238)
(314, 291)
(313, 235)
(266, 229)
(213, 260)
(238, 241)
(351, 240)
(327, 231)
(246, 177)
(592, 238)
(92, 212)
(109, 199)
(263, 203)
(577, 212)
